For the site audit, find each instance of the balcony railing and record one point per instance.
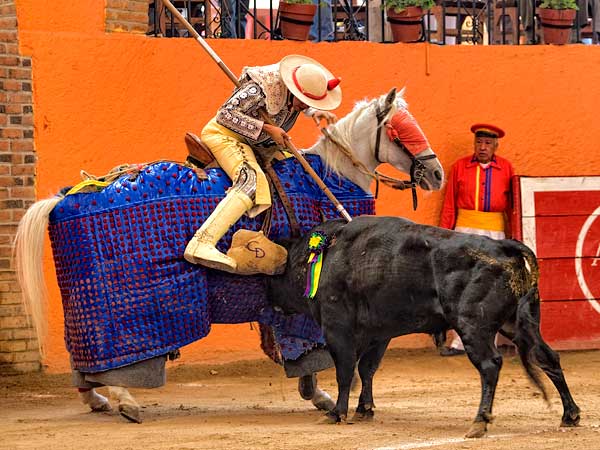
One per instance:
(479, 22)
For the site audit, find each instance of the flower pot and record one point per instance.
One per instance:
(295, 20)
(557, 24)
(407, 24)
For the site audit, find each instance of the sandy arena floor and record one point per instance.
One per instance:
(423, 401)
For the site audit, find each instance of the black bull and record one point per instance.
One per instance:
(385, 276)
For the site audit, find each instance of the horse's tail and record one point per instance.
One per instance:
(28, 252)
(528, 336)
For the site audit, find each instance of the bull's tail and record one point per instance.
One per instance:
(528, 336)
(525, 252)
(28, 252)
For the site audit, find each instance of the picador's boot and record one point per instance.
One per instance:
(201, 248)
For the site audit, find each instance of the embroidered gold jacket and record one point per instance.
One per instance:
(260, 88)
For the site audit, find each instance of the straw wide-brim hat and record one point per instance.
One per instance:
(311, 82)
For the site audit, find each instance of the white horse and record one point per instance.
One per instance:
(374, 132)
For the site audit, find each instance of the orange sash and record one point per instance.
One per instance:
(479, 219)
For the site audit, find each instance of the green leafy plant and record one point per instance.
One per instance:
(401, 5)
(559, 4)
(298, 2)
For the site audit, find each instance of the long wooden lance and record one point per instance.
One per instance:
(307, 167)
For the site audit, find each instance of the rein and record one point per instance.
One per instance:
(347, 151)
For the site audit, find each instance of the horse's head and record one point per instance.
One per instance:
(400, 142)
(380, 131)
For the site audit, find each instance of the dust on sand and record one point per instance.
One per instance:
(423, 401)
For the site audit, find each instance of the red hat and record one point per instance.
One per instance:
(485, 129)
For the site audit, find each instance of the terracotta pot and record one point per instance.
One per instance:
(406, 25)
(295, 20)
(557, 24)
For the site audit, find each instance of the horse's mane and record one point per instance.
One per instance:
(331, 153)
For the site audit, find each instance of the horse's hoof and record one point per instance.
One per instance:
(102, 407)
(131, 413)
(96, 402)
(323, 401)
(330, 418)
(363, 416)
(477, 430)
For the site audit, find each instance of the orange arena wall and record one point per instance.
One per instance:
(101, 99)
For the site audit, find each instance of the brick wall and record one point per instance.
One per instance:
(18, 347)
(130, 16)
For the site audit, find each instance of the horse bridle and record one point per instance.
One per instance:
(417, 168)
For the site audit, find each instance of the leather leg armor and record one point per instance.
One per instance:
(239, 199)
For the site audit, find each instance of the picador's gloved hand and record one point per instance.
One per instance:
(319, 116)
(277, 134)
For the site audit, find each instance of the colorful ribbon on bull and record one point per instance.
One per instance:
(316, 244)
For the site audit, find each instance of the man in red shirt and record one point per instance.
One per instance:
(478, 196)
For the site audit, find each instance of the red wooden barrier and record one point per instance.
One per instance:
(560, 221)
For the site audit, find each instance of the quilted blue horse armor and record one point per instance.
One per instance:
(127, 292)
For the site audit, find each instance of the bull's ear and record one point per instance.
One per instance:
(391, 96)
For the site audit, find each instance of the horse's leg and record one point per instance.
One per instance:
(96, 402)
(308, 389)
(369, 362)
(322, 400)
(488, 361)
(128, 407)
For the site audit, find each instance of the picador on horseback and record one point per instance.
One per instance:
(295, 84)
(122, 243)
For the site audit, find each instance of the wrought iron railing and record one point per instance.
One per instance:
(449, 22)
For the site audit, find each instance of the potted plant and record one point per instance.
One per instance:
(557, 18)
(296, 18)
(406, 18)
